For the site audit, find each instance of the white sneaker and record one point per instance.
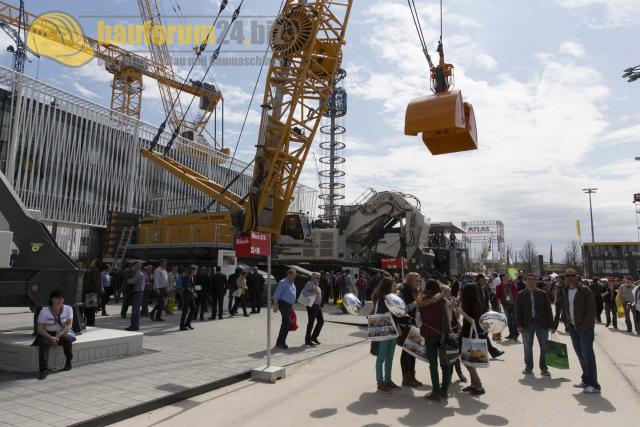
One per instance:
(580, 385)
(591, 390)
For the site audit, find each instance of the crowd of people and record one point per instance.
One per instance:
(526, 302)
(193, 290)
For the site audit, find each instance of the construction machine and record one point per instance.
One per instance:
(306, 40)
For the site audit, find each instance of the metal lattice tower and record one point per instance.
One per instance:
(332, 146)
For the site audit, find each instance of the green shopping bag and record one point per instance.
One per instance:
(556, 355)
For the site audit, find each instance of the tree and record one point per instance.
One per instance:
(528, 255)
(572, 256)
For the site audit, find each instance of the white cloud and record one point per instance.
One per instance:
(573, 48)
(606, 13)
(85, 92)
(534, 136)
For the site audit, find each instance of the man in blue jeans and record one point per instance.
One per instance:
(534, 318)
(579, 312)
(283, 299)
(137, 280)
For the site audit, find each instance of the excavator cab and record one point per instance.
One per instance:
(447, 124)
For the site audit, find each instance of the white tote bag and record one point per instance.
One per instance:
(475, 351)
(415, 344)
(306, 300)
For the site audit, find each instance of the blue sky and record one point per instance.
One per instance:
(544, 76)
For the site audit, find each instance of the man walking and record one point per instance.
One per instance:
(202, 290)
(324, 287)
(314, 312)
(219, 281)
(507, 293)
(255, 281)
(626, 296)
(160, 279)
(579, 311)
(534, 318)
(596, 290)
(231, 286)
(137, 289)
(283, 299)
(609, 295)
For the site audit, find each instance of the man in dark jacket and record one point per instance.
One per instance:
(202, 288)
(596, 290)
(533, 318)
(324, 288)
(408, 294)
(91, 286)
(578, 309)
(255, 282)
(218, 289)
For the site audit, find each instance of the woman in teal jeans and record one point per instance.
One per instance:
(436, 322)
(385, 348)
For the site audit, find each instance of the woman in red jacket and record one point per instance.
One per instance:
(436, 323)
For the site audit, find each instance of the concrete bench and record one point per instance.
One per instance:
(94, 345)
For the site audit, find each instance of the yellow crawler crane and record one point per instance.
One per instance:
(306, 40)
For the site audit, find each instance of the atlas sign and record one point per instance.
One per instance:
(478, 230)
(253, 244)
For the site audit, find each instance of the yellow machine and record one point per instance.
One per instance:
(306, 41)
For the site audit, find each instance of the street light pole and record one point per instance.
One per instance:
(591, 191)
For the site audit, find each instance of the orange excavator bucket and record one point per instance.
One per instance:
(446, 122)
(445, 142)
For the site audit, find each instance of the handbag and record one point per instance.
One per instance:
(556, 354)
(373, 349)
(294, 320)
(448, 351)
(474, 351)
(91, 300)
(70, 334)
(381, 327)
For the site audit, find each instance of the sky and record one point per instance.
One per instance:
(553, 114)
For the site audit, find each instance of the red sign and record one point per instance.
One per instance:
(394, 263)
(253, 244)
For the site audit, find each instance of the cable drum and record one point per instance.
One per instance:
(292, 32)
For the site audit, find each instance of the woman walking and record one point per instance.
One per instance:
(471, 310)
(436, 325)
(239, 293)
(188, 303)
(384, 359)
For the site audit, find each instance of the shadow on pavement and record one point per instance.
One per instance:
(291, 350)
(594, 403)
(324, 413)
(420, 412)
(541, 384)
(376, 425)
(492, 420)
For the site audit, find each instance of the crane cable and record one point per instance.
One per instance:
(199, 52)
(416, 22)
(214, 57)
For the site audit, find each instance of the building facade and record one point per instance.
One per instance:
(611, 259)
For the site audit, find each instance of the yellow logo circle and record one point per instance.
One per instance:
(58, 36)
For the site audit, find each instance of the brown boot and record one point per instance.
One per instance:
(392, 385)
(383, 388)
(433, 397)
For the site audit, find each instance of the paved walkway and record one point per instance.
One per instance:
(173, 361)
(338, 389)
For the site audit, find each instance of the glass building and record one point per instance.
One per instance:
(617, 259)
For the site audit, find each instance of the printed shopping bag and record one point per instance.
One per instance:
(475, 351)
(308, 300)
(556, 355)
(415, 344)
(91, 300)
(381, 327)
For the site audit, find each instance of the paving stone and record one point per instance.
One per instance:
(173, 361)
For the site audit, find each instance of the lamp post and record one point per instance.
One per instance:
(591, 191)
(632, 74)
